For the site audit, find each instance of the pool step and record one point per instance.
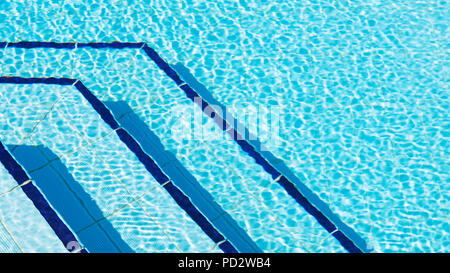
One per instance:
(182, 200)
(181, 177)
(349, 239)
(178, 195)
(346, 236)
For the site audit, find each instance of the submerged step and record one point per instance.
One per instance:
(228, 126)
(348, 237)
(269, 216)
(181, 177)
(179, 197)
(182, 200)
(271, 164)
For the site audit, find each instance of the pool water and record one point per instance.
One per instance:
(361, 88)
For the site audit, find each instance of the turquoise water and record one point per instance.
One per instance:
(362, 88)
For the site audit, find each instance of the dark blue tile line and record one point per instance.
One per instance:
(346, 242)
(180, 198)
(117, 45)
(41, 44)
(59, 227)
(20, 80)
(71, 45)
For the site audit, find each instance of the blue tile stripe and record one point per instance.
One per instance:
(41, 45)
(71, 45)
(116, 45)
(345, 241)
(20, 80)
(180, 198)
(33, 193)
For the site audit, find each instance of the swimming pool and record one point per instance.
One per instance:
(360, 93)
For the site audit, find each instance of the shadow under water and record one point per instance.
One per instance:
(75, 206)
